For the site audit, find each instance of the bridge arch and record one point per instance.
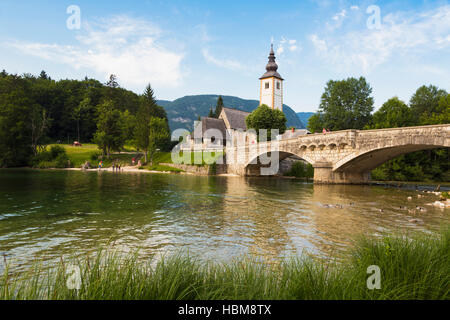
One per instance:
(369, 159)
(253, 166)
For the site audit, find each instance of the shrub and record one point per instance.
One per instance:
(56, 157)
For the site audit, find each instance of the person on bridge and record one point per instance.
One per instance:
(324, 131)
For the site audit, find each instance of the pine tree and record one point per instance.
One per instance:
(211, 113)
(43, 75)
(219, 107)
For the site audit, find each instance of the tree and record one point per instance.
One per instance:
(78, 112)
(264, 117)
(219, 107)
(345, 104)
(425, 102)
(147, 109)
(441, 114)
(15, 111)
(43, 75)
(211, 113)
(158, 136)
(109, 136)
(393, 114)
(40, 123)
(316, 123)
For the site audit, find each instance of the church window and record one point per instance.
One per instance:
(267, 85)
(278, 85)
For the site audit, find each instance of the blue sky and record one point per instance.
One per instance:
(221, 47)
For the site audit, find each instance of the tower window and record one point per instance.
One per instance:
(267, 85)
(278, 85)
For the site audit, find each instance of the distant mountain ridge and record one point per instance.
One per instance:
(304, 116)
(184, 111)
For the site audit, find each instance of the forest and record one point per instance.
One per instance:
(37, 110)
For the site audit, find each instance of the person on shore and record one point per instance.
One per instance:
(113, 167)
(100, 165)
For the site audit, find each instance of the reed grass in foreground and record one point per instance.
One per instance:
(415, 268)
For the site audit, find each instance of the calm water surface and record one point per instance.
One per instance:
(48, 214)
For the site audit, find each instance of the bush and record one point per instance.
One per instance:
(300, 169)
(56, 157)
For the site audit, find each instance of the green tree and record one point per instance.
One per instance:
(147, 109)
(159, 135)
(43, 75)
(109, 136)
(219, 107)
(15, 111)
(425, 102)
(79, 111)
(442, 113)
(39, 124)
(264, 117)
(345, 104)
(211, 113)
(315, 123)
(393, 114)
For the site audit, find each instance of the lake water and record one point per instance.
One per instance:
(48, 214)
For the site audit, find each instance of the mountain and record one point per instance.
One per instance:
(184, 111)
(304, 116)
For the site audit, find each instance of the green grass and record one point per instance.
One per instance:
(89, 152)
(410, 269)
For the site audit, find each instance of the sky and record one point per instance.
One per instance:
(221, 47)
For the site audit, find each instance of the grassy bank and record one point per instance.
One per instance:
(410, 269)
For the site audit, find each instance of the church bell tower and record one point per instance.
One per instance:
(272, 85)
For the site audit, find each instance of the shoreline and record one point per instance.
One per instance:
(424, 185)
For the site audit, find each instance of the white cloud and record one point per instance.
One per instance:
(223, 63)
(400, 34)
(130, 48)
(341, 15)
(289, 44)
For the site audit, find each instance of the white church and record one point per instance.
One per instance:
(231, 122)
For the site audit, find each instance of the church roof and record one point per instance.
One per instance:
(272, 67)
(210, 123)
(236, 118)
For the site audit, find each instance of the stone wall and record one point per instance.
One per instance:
(204, 170)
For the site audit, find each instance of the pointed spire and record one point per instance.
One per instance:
(271, 66)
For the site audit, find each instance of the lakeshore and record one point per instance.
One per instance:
(108, 275)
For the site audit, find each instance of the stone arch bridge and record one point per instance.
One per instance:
(338, 157)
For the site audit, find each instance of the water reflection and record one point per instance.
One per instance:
(49, 214)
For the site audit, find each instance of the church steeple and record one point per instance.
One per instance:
(272, 84)
(271, 67)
